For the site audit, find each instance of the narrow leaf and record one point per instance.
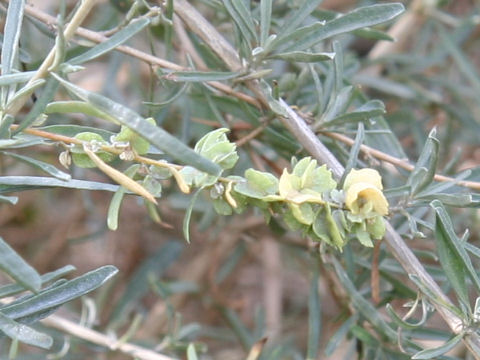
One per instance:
(119, 38)
(191, 352)
(374, 34)
(25, 92)
(10, 79)
(314, 315)
(48, 168)
(303, 56)
(265, 18)
(336, 105)
(354, 151)
(238, 327)
(188, 215)
(298, 34)
(362, 305)
(12, 264)
(5, 125)
(441, 187)
(39, 107)
(246, 17)
(61, 294)
(404, 324)
(11, 31)
(455, 259)
(155, 135)
(12, 289)
(468, 69)
(357, 19)
(365, 112)
(242, 17)
(200, 76)
(426, 290)
(21, 183)
(170, 100)
(435, 353)
(77, 107)
(339, 335)
(24, 333)
(424, 171)
(140, 283)
(114, 208)
(472, 249)
(168, 28)
(338, 66)
(455, 199)
(297, 17)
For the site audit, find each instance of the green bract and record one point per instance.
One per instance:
(215, 146)
(138, 143)
(197, 178)
(376, 227)
(314, 177)
(257, 185)
(81, 159)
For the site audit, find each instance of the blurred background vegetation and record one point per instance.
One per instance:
(244, 287)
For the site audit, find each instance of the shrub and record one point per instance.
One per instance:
(253, 122)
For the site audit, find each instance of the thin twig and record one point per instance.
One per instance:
(204, 29)
(98, 338)
(187, 45)
(251, 135)
(398, 162)
(50, 136)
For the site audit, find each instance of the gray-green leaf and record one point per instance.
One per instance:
(24, 333)
(12, 264)
(357, 19)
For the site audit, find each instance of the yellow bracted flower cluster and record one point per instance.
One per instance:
(363, 193)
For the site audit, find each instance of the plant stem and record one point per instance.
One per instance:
(98, 338)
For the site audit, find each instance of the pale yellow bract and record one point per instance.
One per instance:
(363, 192)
